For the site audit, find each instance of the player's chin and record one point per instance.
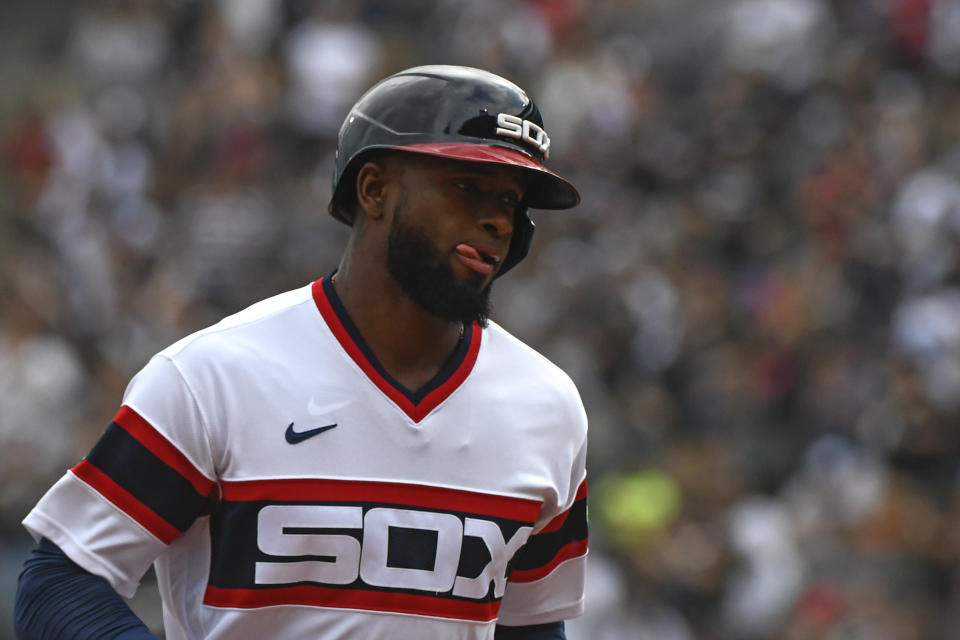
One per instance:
(481, 283)
(472, 278)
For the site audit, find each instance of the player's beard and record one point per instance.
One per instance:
(425, 274)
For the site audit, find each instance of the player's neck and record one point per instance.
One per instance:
(410, 343)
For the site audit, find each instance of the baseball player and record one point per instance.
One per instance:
(367, 456)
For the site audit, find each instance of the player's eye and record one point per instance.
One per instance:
(467, 186)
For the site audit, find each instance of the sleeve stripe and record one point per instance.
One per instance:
(134, 424)
(572, 550)
(581, 491)
(142, 474)
(564, 538)
(557, 523)
(127, 503)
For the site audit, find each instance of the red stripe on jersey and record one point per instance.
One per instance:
(413, 495)
(318, 596)
(572, 550)
(557, 523)
(416, 412)
(127, 503)
(581, 491)
(134, 424)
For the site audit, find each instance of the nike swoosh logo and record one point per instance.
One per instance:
(296, 437)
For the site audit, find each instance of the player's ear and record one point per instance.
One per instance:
(373, 180)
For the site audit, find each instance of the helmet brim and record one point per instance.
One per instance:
(545, 190)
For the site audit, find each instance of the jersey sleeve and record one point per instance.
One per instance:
(547, 575)
(141, 486)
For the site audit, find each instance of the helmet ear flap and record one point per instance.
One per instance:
(343, 200)
(519, 242)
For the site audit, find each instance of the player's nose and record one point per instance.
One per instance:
(497, 220)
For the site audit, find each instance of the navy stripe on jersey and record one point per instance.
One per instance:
(234, 531)
(364, 546)
(416, 404)
(138, 470)
(564, 538)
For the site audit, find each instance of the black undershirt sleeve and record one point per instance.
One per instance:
(549, 631)
(56, 598)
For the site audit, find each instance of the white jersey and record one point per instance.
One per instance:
(285, 485)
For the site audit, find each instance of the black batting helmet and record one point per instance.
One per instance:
(458, 113)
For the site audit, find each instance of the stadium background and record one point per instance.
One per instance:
(758, 297)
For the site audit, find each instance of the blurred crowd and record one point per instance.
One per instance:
(759, 296)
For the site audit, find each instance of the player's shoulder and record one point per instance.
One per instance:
(527, 380)
(275, 316)
(512, 357)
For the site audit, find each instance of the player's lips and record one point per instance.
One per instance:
(478, 258)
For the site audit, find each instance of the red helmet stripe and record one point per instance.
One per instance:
(475, 153)
(502, 155)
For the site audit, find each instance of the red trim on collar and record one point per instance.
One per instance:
(415, 412)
